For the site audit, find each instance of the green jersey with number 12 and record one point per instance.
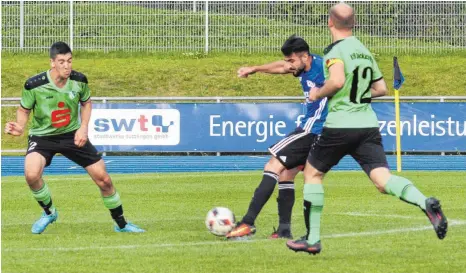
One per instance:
(350, 107)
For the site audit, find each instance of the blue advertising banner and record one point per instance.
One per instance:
(253, 127)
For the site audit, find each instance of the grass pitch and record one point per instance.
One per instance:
(362, 230)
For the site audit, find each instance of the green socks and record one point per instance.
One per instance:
(112, 201)
(44, 198)
(313, 205)
(405, 190)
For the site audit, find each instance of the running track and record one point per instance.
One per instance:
(13, 165)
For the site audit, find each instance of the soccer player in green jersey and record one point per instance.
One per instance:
(352, 79)
(53, 97)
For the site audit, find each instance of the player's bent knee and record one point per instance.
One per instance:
(380, 177)
(380, 188)
(32, 177)
(104, 182)
(288, 175)
(310, 171)
(274, 165)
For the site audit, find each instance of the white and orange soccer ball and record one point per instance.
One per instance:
(220, 221)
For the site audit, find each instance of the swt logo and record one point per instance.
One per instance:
(61, 117)
(135, 127)
(129, 125)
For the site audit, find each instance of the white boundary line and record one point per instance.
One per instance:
(209, 243)
(199, 218)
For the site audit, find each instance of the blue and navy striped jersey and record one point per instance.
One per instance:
(316, 111)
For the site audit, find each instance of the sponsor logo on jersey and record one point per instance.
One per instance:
(61, 117)
(72, 94)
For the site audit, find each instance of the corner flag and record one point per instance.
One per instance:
(398, 80)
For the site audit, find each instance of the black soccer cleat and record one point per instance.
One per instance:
(437, 218)
(281, 234)
(303, 246)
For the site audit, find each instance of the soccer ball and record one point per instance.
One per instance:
(220, 221)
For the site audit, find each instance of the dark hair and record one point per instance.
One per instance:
(59, 48)
(294, 44)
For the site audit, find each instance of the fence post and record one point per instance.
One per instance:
(71, 24)
(104, 153)
(194, 6)
(218, 101)
(206, 8)
(21, 24)
(442, 99)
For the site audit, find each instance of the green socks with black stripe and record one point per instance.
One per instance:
(113, 203)
(44, 198)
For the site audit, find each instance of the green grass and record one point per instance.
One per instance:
(172, 208)
(172, 74)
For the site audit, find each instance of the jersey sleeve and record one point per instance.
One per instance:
(27, 99)
(376, 73)
(85, 93)
(333, 57)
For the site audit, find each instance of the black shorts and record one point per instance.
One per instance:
(48, 146)
(363, 144)
(293, 150)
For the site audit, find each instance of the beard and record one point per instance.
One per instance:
(298, 72)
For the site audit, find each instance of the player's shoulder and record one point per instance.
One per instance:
(317, 59)
(36, 81)
(332, 47)
(78, 76)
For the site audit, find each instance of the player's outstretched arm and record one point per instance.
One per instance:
(17, 128)
(278, 67)
(334, 83)
(379, 88)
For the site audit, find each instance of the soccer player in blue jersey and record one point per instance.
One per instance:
(289, 154)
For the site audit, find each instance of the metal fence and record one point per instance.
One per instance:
(233, 26)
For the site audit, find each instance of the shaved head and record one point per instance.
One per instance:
(342, 16)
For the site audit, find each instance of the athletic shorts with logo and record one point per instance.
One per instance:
(292, 151)
(48, 146)
(363, 144)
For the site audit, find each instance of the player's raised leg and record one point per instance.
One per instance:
(371, 157)
(111, 197)
(405, 190)
(285, 202)
(34, 165)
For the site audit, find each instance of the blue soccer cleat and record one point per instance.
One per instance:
(40, 225)
(129, 228)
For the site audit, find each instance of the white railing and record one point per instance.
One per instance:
(241, 26)
(251, 98)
